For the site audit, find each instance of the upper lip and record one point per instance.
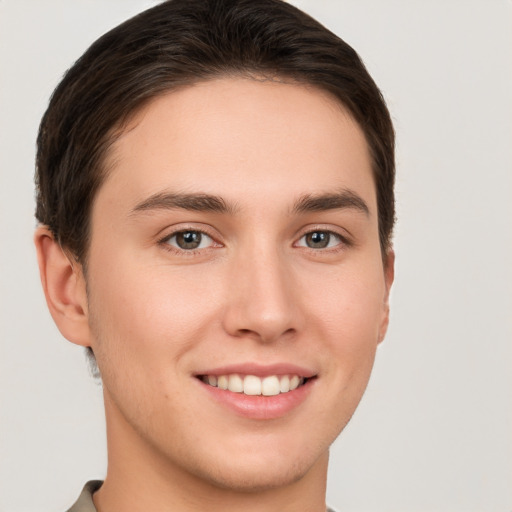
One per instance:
(260, 370)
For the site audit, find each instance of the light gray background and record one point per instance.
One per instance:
(434, 431)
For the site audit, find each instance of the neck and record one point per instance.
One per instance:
(140, 478)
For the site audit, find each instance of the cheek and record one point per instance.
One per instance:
(150, 312)
(350, 307)
(349, 312)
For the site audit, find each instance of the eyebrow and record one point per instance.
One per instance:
(183, 201)
(344, 199)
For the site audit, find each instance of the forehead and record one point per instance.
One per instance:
(238, 137)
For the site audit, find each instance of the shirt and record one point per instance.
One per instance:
(85, 503)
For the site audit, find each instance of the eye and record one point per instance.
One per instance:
(189, 240)
(320, 240)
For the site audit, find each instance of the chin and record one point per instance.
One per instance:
(259, 477)
(258, 470)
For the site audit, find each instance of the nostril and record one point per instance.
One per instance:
(266, 333)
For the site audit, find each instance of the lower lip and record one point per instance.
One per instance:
(260, 407)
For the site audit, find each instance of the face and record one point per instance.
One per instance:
(236, 287)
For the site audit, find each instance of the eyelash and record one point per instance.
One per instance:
(343, 242)
(164, 242)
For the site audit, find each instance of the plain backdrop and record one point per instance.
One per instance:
(434, 430)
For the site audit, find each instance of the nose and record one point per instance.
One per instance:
(262, 298)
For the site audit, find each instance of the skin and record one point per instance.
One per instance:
(155, 314)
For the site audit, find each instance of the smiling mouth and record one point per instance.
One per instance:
(252, 385)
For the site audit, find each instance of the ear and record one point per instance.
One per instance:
(64, 288)
(389, 276)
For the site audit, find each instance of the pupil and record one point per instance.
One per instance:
(318, 239)
(188, 239)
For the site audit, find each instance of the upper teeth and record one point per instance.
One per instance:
(253, 385)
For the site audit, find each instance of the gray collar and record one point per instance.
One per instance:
(85, 503)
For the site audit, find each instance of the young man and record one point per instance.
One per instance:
(215, 198)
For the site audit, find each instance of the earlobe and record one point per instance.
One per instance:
(389, 276)
(64, 288)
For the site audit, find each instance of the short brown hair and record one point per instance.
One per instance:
(177, 43)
